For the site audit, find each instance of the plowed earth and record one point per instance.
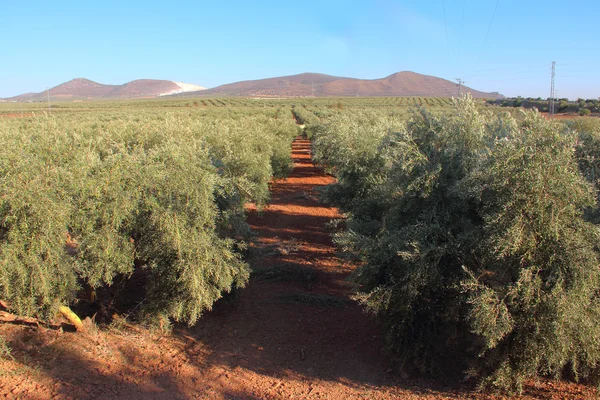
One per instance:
(15, 115)
(286, 335)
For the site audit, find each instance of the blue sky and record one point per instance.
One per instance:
(493, 45)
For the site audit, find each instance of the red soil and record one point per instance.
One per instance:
(266, 344)
(16, 115)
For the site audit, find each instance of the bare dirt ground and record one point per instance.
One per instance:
(16, 115)
(285, 336)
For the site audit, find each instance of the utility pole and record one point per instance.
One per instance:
(460, 83)
(552, 91)
(48, 93)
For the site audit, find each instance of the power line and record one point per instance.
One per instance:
(508, 74)
(511, 69)
(532, 79)
(587, 78)
(462, 25)
(446, 28)
(488, 30)
(578, 70)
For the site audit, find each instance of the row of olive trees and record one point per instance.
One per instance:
(476, 239)
(87, 202)
(583, 107)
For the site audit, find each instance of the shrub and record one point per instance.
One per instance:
(534, 294)
(518, 102)
(89, 203)
(563, 105)
(479, 259)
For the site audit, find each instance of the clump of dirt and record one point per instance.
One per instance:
(294, 332)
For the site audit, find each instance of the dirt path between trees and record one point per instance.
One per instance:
(298, 333)
(292, 333)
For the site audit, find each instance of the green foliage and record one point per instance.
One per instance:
(91, 201)
(539, 260)
(348, 147)
(5, 350)
(563, 105)
(587, 152)
(475, 252)
(307, 118)
(518, 102)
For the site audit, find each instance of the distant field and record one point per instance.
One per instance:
(219, 102)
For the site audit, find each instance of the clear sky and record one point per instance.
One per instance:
(493, 45)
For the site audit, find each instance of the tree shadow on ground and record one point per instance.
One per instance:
(50, 364)
(74, 375)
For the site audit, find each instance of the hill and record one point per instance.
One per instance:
(310, 84)
(301, 85)
(80, 88)
(143, 88)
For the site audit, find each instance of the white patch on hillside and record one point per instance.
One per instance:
(183, 88)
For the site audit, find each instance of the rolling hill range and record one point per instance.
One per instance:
(311, 84)
(302, 85)
(80, 89)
